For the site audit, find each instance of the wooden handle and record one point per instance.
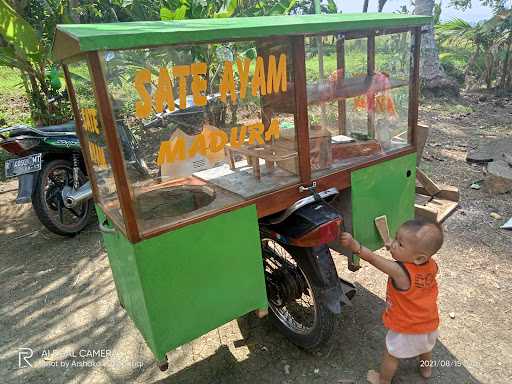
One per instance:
(381, 223)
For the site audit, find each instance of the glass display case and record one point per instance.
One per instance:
(358, 89)
(207, 140)
(205, 127)
(96, 144)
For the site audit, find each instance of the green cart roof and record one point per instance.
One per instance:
(73, 39)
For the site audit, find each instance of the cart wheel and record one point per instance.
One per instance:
(163, 365)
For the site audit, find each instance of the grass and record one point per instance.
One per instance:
(11, 82)
(13, 107)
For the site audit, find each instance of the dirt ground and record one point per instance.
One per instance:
(58, 298)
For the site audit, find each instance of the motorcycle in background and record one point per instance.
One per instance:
(51, 173)
(51, 169)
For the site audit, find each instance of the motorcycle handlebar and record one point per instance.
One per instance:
(162, 118)
(60, 96)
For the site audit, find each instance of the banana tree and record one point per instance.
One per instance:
(478, 40)
(491, 40)
(26, 32)
(197, 9)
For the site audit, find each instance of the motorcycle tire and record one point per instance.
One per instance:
(45, 210)
(315, 336)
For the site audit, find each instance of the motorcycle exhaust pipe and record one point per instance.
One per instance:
(72, 197)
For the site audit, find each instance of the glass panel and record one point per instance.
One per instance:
(96, 143)
(393, 58)
(353, 116)
(214, 125)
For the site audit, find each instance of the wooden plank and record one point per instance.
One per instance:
(447, 192)
(436, 210)
(422, 199)
(371, 96)
(447, 208)
(363, 34)
(431, 187)
(265, 205)
(272, 152)
(340, 77)
(414, 85)
(381, 223)
(352, 150)
(114, 146)
(425, 211)
(421, 136)
(301, 108)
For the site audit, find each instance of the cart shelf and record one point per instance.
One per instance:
(348, 88)
(326, 91)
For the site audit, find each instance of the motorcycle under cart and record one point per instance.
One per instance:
(241, 211)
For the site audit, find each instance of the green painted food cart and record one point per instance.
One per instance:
(258, 140)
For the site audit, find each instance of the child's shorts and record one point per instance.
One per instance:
(404, 346)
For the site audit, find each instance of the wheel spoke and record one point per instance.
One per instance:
(60, 210)
(72, 210)
(299, 315)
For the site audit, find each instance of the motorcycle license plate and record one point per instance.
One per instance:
(22, 165)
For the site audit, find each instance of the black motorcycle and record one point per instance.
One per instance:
(49, 165)
(51, 170)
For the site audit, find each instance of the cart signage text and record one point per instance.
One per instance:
(272, 79)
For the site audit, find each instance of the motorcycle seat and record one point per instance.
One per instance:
(66, 127)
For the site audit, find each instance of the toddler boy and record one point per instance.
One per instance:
(411, 314)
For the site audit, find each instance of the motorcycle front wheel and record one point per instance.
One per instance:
(48, 203)
(297, 307)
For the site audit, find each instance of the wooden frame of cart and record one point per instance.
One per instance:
(236, 124)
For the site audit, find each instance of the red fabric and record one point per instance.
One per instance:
(382, 103)
(414, 310)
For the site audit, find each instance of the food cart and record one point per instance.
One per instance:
(258, 139)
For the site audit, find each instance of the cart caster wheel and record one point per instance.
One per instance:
(163, 365)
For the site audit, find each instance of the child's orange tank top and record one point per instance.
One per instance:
(413, 310)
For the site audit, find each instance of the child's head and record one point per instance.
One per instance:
(416, 241)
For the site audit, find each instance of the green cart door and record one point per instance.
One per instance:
(181, 284)
(386, 188)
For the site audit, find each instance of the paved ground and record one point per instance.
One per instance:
(57, 295)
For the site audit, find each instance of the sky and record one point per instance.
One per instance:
(476, 13)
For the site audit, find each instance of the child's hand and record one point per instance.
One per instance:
(348, 242)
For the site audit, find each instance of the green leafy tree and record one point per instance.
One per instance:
(308, 7)
(497, 5)
(490, 44)
(26, 32)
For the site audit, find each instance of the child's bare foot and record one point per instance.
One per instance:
(373, 377)
(425, 364)
(425, 370)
